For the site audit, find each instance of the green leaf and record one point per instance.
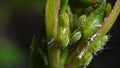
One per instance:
(63, 29)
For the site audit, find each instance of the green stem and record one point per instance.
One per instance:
(54, 56)
(52, 8)
(64, 56)
(106, 26)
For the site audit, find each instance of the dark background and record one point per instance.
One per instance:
(25, 22)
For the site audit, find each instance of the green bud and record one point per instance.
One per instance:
(93, 21)
(63, 29)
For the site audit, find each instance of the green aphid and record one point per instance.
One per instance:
(77, 22)
(82, 19)
(108, 9)
(75, 37)
(75, 26)
(63, 29)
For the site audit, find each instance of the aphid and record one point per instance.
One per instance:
(82, 19)
(75, 37)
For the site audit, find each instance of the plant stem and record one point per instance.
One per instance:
(54, 56)
(52, 9)
(51, 15)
